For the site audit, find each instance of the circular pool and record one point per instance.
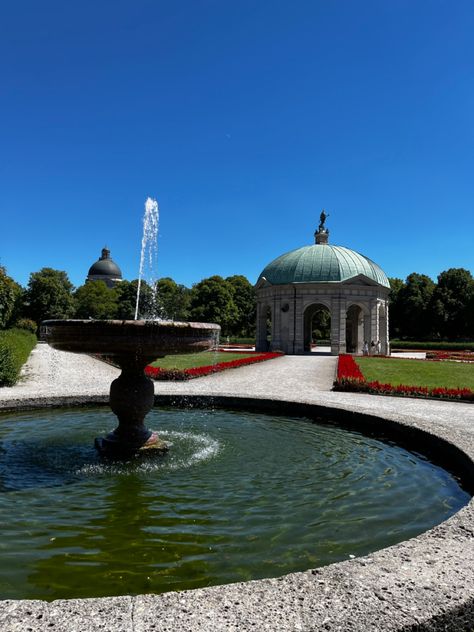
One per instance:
(239, 496)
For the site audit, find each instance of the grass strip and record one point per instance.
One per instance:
(203, 358)
(209, 363)
(397, 371)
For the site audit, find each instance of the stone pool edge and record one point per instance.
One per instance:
(425, 583)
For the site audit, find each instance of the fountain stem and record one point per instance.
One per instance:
(131, 399)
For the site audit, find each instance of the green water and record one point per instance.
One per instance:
(239, 496)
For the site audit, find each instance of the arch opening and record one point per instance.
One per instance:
(317, 327)
(356, 333)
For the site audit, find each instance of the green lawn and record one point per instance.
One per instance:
(417, 372)
(203, 358)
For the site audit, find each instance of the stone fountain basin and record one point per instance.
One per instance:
(144, 338)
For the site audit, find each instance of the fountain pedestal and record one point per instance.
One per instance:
(132, 345)
(132, 397)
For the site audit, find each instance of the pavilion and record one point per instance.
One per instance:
(295, 286)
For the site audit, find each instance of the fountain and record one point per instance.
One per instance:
(132, 344)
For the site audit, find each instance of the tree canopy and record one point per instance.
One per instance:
(49, 295)
(212, 301)
(422, 309)
(95, 300)
(453, 304)
(172, 300)
(419, 307)
(244, 297)
(10, 299)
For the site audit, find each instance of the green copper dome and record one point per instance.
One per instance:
(321, 263)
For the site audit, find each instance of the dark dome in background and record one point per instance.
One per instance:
(105, 269)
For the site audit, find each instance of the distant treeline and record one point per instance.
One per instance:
(420, 309)
(230, 302)
(423, 310)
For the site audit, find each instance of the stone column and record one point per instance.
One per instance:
(384, 333)
(387, 329)
(276, 324)
(338, 326)
(374, 324)
(261, 338)
(360, 330)
(299, 326)
(342, 327)
(291, 348)
(368, 325)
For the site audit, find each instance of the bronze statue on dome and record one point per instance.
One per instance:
(322, 219)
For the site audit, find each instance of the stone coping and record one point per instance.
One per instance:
(423, 584)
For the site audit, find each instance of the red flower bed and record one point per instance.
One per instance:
(350, 378)
(457, 356)
(186, 374)
(347, 368)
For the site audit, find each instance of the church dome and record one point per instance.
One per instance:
(321, 263)
(105, 269)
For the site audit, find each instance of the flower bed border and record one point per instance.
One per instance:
(350, 379)
(157, 373)
(450, 356)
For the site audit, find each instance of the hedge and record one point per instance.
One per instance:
(431, 345)
(15, 347)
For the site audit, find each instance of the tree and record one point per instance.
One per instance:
(49, 295)
(452, 304)
(321, 324)
(126, 292)
(10, 299)
(95, 300)
(415, 306)
(396, 307)
(127, 300)
(243, 294)
(172, 299)
(212, 302)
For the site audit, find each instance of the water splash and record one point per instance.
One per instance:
(149, 251)
(191, 448)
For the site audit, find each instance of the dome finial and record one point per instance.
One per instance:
(105, 253)
(321, 236)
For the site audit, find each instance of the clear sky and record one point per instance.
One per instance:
(243, 119)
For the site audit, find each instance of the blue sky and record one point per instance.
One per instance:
(243, 119)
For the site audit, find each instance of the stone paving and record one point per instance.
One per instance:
(423, 584)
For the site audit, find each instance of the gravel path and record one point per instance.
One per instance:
(308, 379)
(50, 373)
